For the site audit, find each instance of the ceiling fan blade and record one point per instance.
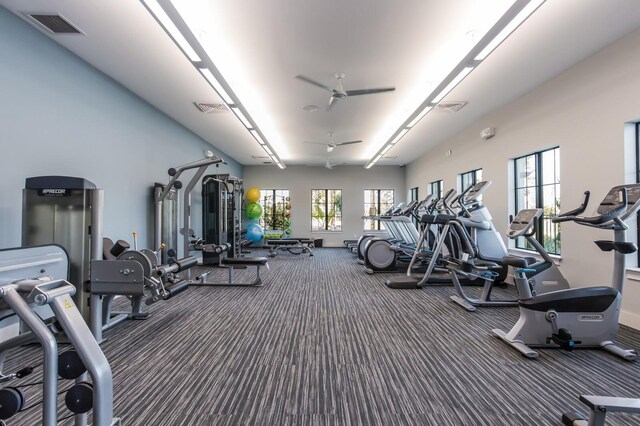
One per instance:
(315, 83)
(346, 143)
(315, 143)
(369, 91)
(331, 102)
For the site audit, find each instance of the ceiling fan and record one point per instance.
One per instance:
(339, 92)
(332, 145)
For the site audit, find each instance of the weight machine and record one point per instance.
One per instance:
(33, 293)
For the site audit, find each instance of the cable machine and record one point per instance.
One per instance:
(221, 215)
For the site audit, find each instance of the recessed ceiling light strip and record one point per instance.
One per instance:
(519, 11)
(168, 25)
(169, 18)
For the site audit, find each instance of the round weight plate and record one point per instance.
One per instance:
(79, 398)
(11, 402)
(70, 365)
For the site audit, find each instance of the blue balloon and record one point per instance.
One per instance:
(255, 233)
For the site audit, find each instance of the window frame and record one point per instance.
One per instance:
(475, 176)
(539, 197)
(263, 219)
(326, 210)
(439, 184)
(376, 223)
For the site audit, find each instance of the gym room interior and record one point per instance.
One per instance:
(311, 212)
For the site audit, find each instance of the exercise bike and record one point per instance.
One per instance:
(578, 317)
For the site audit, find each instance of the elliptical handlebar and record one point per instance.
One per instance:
(577, 211)
(611, 212)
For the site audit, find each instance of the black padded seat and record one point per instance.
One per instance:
(518, 262)
(586, 299)
(289, 242)
(254, 261)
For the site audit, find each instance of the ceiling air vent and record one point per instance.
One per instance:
(209, 108)
(259, 157)
(54, 23)
(449, 106)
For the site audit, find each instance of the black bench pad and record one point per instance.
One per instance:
(289, 242)
(257, 261)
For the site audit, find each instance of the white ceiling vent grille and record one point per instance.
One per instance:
(447, 107)
(54, 23)
(260, 157)
(209, 108)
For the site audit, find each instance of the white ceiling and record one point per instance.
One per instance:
(260, 46)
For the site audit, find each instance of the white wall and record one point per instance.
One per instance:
(584, 111)
(352, 180)
(60, 116)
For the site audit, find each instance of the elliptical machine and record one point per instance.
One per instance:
(578, 317)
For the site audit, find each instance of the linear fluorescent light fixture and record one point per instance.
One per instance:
(242, 117)
(519, 11)
(206, 72)
(157, 10)
(257, 136)
(419, 116)
(400, 135)
(465, 72)
(174, 25)
(515, 23)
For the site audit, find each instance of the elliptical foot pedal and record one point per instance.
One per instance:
(402, 283)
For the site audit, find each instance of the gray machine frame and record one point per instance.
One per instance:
(34, 278)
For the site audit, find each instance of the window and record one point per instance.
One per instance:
(326, 209)
(414, 194)
(537, 185)
(469, 179)
(376, 201)
(436, 188)
(414, 197)
(273, 206)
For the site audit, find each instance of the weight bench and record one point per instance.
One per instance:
(292, 245)
(240, 262)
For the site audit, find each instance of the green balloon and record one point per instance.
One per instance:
(254, 210)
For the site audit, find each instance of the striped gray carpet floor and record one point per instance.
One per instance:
(322, 343)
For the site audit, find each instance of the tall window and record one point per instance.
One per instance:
(273, 206)
(436, 188)
(537, 185)
(376, 201)
(414, 194)
(326, 209)
(469, 179)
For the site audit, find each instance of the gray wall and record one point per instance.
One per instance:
(584, 111)
(60, 116)
(352, 180)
